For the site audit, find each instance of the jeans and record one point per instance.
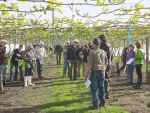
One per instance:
(65, 66)
(97, 79)
(130, 71)
(16, 70)
(5, 67)
(28, 72)
(79, 66)
(73, 62)
(39, 68)
(58, 54)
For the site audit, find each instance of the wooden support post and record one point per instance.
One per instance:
(147, 60)
(124, 42)
(117, 64)
(1, 83)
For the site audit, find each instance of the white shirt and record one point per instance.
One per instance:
(40, 51)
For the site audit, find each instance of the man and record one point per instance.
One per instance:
(3, 60)
(105, 47)
(28, 58)
(65, 58)
(82, 45)
(90, 46)
(72, 59)
(97, 63)
(83, 55)
(15, 62)
(80, 61)
(123, 59)
(58, 51)
(40, 53)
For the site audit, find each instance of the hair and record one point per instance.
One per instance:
(42, 43)
(103, 38)
(20, 45)
(138, 44)
(130, 45)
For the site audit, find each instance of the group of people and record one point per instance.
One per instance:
(137, 63)
(30, 55)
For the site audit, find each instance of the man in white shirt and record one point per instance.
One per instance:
(40, 53)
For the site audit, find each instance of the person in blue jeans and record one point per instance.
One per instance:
(3, 60)
(66, 63)
(97, 64)
(15, 62)
(130, 67)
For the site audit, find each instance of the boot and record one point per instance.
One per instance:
(102, 104)
(29, 81)
(4, 82)
(25, 82)
(138, 84)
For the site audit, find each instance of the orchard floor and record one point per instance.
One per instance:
(54, 94)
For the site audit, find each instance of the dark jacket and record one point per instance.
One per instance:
(124, 55)
(85, 54)
(106, 48)
(91, 47)
(72, 53)
(58, 48)
(15, 58)
(2, 58)
(78, 51)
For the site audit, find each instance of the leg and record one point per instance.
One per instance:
(79, 64)
(70, 70)
(5, 72)
(123, 66)
(101, 87)
(30, 74)
(16, 71)
(65, 66)
(130, 71)
(11, 70)
(83, 67)
(25, 77)
(38, 68)
(59, 57)
(75, 69)
(106, 84)
(93, 88)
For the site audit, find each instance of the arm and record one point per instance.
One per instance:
(106, 61)
(45, 53)
(24, 57)
(81, 54)
(35, 53)
(68, 54)
(123, 52)
(64, 50)
(15, 53)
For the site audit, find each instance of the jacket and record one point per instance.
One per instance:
(84, 53)
(26, 55)
(78, 52)
(91, 47)
(139, 55)
(65, 51)
(15, 58)
(41, 52)
(2, 58)
(124, 54)
(72, 53)
(58, 48)
(131, 54)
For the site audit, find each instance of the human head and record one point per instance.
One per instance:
(89, 43)
(96, 42)
(131, 47)
(67, 43)
(41, 44)
(128, 46)
(30, 47)
(3, 42)
(86, 47)
(20, 47)
(102, 38)
(75, 41)
(79, 45)
(138, 44)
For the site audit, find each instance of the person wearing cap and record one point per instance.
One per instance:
(80, 61)
(90, 46)
(82, 46)
(3, 60)
(97, 64)
(65, 58)
(28, 57)
(15, 62)
(39, 53)
(83, 55)
(72, 59)
(106, 48)
(58, 51)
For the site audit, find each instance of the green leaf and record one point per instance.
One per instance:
(117, 1)
(129, 11)
(107, 9)
(30, 8)
(59, 11)
(44, 11)
(137, 12)
(52, 5)
(98, 3)
(141, 6)
(85, 0)
(104, 1)
(23, 2)
(5, 12)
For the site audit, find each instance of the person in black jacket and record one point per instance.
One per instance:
(72, 59)
(58, 51)
(80, 61)
(106, 48)
(15, 62)
(90, 46)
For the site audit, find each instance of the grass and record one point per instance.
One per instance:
(73, 97)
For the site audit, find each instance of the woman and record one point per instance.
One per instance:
(139, 60)
(131, 54)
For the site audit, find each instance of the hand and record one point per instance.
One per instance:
(5, 54)
(112, 61)
(39, 58)
(85, 78)
(68, 61)
(133, 61)
(31, 58)
(121, 62)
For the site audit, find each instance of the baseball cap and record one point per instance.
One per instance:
(86, 45)
(96, 41)
(75, 40)
(30, 46)
(4, 41)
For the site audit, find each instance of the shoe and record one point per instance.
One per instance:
(63, 76)
(107, 97)
(137, 87)
(4, 82)
(29, 81)
(11, 80)
(130, 82)
(102, 105)
(91, 107)
(74, 79)
(25, 82)
(77, 76)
